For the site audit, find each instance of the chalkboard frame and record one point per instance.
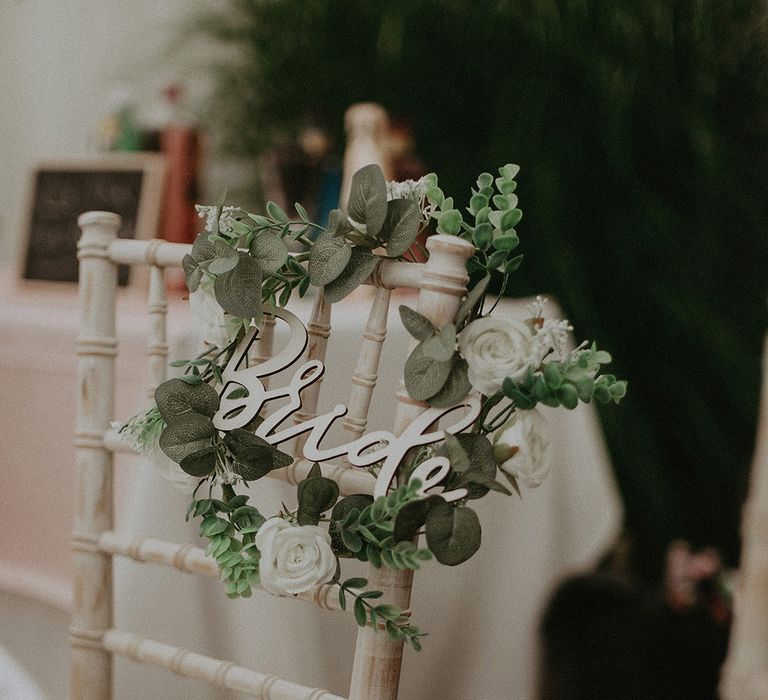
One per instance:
(152, 167)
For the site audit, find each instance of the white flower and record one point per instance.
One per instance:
(495, 349)
(415, 190)
(552, 336)
(522, 447)
(408, 189)
(215, 326)
(293, 558)
(208, 213)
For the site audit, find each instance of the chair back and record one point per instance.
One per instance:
(441, 283)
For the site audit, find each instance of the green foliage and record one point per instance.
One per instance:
(420, 327)
(238, 291)
(230, 526)
(316, 495)
(330, 255)
(469, 305)
(392, 619)
(366, 529)
(175, 398)
(567, 382)
(188, 435)
(434, 371)
(472, 464)
(453, 533)
(253, 457)
(368, 200)
(341, 260)
(424, 375)
(362, 263)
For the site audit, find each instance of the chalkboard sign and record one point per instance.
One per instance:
(127, 184)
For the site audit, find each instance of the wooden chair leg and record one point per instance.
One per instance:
(91, 673)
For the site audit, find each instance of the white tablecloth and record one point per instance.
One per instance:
(481, 616)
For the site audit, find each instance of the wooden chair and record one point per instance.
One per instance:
(441, 283)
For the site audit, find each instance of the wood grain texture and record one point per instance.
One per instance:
(367, 369)
(91, 671)
(185, 557)
(221, 673)
(376, 669)
(157, 349)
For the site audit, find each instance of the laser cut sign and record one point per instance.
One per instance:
(370, 448)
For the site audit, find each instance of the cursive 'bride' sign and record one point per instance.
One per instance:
(370, 448)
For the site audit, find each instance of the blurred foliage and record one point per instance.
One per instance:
(642, 134)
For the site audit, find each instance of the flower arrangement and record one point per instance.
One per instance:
(210, 420)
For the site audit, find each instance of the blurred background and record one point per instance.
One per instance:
(641, 129)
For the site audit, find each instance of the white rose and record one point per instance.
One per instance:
(293, 558)
(522, 448)
(495, 349)
(215, 326)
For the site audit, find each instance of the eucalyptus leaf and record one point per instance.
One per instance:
(239, 290)
(441, 346)
(449, 222)
(456, 453)
(456, 387)
(473, 297)
(315, 496)
(277, 213)
(497, 258)
(202, 249)
(420, 327)
(412, 516)
(176, 397)
(253, 463)
(511, 218)
(479, 478)
(361, 264)
(401, 225)
(360, 612)
(338, 223)
(185, 435)
(355, 502)
(226, 258)
(481, 460)
(425, 376)
(254, 456)
(453, 534)
(200, 463)
(506, 242)
(368, 198)
(269, 251)
(193, 273)
(327, 259)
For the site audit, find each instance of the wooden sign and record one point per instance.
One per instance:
(128, 184)
(371, 448)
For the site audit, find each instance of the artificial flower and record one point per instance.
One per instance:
(215, 326)
(496, 348)
(293, 557)
(522, 448)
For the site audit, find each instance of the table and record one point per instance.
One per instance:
(481, 616)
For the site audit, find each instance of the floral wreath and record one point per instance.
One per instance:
(240, 266)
